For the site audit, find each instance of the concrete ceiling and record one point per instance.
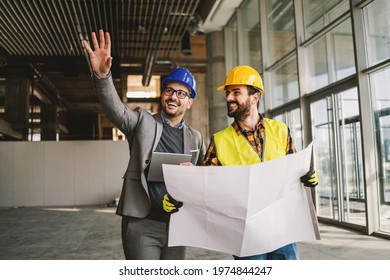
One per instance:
(42, 39)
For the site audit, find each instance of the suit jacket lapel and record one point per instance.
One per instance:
(187, 139)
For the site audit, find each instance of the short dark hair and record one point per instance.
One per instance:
(252, 90)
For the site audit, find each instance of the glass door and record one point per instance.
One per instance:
(338, 157)
(381, 114)
(352, 166)
(382, 119)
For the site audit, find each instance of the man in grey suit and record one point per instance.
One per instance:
(146, 206)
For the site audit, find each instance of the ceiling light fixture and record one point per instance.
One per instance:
(197, 25)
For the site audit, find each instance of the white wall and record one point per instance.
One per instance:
(61, 173)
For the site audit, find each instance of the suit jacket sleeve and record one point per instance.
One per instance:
(119, 114)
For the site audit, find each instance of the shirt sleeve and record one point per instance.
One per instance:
(211, 159)
(290, 149)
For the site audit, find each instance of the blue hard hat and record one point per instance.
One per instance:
(183, 76)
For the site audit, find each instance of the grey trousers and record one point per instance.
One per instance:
(145, 239)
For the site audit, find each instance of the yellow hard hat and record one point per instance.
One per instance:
(243, 75)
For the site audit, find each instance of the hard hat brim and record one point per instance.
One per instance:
(221, 88)
(170, 80)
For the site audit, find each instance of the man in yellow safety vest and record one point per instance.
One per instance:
(251, 138)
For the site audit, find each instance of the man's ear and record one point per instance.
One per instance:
(189, 104)
(256, 98)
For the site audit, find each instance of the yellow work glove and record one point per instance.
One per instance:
(170, 205)
(310, 179)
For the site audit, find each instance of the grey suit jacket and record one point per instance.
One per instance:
(143, 132)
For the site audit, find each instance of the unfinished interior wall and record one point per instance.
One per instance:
(67, 173)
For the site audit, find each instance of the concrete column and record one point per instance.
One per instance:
(216, 73)
(197, 116)
(17, 103)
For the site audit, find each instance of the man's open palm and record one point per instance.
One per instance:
(100, 57)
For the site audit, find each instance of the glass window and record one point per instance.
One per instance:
(284, 83)
(293, 120)
(251, 34)
(338, 157)
(281, 28)
(318, 64)
(232, 43)
(377, 23)
(318, 14)
(135, 88)
(331, 57)
(343, 50)
(381, 104)
(326, 191)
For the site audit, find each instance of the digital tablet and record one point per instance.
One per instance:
(158, 159)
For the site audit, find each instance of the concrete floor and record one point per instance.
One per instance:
(93, 233)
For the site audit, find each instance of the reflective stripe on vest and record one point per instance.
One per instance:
(236, 150)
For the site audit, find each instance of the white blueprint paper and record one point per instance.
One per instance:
(241, 210)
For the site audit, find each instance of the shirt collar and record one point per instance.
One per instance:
(179, 125)
(239, 130)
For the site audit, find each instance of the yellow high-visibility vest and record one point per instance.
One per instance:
(233, 149)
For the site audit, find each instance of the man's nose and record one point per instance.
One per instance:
(229, 97)
(174, 95)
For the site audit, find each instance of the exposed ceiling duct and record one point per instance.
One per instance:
(141, 30)
(47, 34)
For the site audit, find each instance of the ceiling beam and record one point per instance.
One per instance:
(6, 129)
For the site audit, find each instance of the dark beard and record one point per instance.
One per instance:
(242, 111)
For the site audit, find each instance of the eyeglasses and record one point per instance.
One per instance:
(181, 94)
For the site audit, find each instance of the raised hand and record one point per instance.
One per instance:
(100, 57)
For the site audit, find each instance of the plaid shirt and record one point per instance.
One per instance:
(255, 138)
